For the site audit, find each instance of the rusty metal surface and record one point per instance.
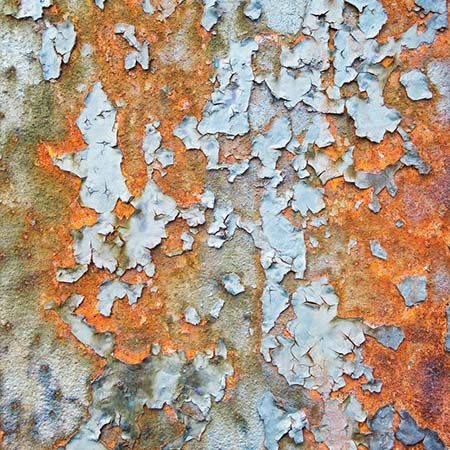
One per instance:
(226, 228)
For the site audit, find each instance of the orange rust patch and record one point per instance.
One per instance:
(123, 210)
(415, 376)
(372, 157)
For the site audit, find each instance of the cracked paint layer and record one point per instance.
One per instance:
(226, 224)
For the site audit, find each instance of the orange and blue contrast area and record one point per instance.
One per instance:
(225, 225)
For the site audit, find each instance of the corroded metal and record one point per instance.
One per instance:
(224, 224)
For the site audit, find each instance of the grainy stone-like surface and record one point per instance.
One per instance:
(224, 225)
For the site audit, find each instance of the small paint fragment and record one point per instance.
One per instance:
(223, 227)
(408, 431)
(413, 289)
(191, 316)
(275, 300)
(372, 19)
(71, 274)
(372, 118)
(109, 290)
(100, 3)
(283, 246)
(280, 419)
(141, 55)
(147, 7)
(188, 240)
(289, 87)
(32, 8)
(155, 349)
(411, 158)
(307, 198)
(377, 250)
(388, 335)
(232, 284)
(211, 14)
(313, 241)
(58, 42)
(217, 308)
(382, 433)
(267, 146)
(253, 9)
(416, 84)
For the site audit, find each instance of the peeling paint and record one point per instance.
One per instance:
(239, 211)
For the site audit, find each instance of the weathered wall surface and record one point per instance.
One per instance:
(225, 225)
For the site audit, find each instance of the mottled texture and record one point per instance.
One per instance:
(224, 225)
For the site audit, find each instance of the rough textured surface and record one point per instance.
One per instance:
(225, 224)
